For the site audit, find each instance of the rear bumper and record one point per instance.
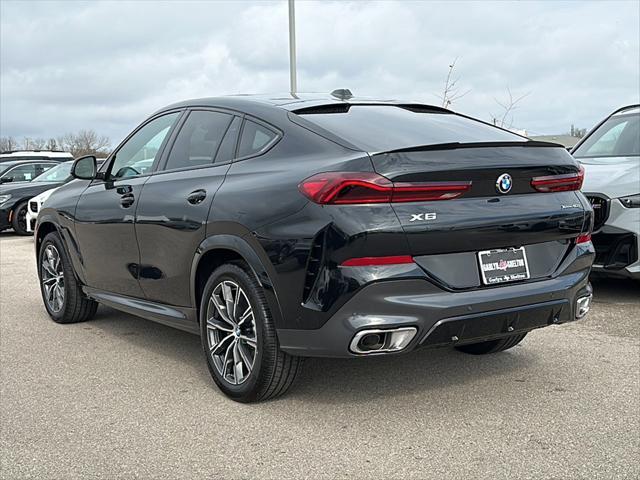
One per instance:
(444, 317)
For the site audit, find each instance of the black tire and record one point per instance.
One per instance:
(75, 306)
(272, 372)
(19, 220)
(492, 346)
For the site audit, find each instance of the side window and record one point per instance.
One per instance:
(227, 150)
(42, 167)
(21, 173)
(137, 155)
(254, 138)
(199, 139)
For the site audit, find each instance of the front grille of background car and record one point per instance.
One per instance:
(33, 206)
(600, 211)
(314, 262)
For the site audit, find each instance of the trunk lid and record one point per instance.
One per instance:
(484, 218)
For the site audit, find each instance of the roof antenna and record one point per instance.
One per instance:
(342, 93)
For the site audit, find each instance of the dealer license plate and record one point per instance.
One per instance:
(503, 265)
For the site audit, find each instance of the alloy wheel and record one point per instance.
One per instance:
(52, 274)
(231, 332)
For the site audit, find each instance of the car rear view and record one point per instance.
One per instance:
(610, 155)
(460, 234)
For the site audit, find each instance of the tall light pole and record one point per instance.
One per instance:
(292, 47)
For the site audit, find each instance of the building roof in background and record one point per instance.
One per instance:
(568, 141)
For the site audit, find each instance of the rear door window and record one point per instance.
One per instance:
(199, 139)
(21, 173)
(255, 138)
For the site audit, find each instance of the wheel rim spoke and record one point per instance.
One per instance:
(217, 348)
(218, 325)
(229, 301)
(248, 314)
(249, 341)
(225, 362)
(231, 332)
(221, 308)
(237, 364)
(248, 363)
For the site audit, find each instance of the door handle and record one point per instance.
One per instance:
(124, 189)
(197, 196)
(127, 200)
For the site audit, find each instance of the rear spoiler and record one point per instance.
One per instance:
(458, 145)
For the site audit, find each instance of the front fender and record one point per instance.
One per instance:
(257, 259)
(64, 227)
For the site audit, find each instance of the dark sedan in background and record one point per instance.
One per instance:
(15, 195)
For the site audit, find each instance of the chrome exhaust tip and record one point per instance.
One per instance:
(367, 342)
(583, 305)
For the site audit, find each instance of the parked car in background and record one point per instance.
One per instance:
(56, 156)
(59, 174)
(14, 197)
(610, 154)
(33, 207)
(277, 228)
(23, 170)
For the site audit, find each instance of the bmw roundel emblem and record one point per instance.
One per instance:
(504, 183)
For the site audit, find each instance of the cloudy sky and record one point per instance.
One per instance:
(107, 65)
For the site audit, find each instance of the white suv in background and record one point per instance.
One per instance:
(36, 155)
(610, 154)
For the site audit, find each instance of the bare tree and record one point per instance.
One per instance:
(29, 143)
(451, 91)
(7, 144)
(508, 106)
(52, 144)
(85, 142)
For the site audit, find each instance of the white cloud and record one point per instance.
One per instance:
(107, 65)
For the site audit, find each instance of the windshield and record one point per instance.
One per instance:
(59, 173)
(619, 136)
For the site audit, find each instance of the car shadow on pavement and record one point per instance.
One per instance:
(329, 381)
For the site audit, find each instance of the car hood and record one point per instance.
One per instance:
(612, 176)
(26, 189)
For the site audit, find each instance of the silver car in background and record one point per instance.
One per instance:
(610, 154)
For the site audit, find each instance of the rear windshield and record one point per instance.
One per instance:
(380, 128)
(619, 136)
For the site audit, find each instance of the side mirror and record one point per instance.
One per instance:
(85, 168)
(6, 179)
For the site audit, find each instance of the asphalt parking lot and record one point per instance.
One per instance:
(122, 397)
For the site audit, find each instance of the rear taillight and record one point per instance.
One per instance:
(375, 261)
(348, 188)
(583, 238)
(559, 183)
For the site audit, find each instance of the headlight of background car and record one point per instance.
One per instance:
(4, 198)
(632, 201)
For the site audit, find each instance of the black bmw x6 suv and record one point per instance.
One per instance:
(279, 228)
